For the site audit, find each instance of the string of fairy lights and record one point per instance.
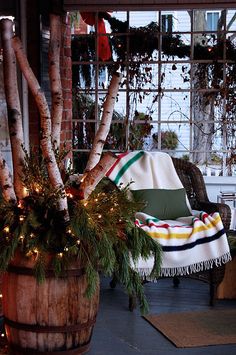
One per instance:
(96, 211)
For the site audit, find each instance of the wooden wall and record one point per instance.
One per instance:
(145, 4)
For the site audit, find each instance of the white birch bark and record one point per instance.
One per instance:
(13, 106)
(92, 177)
(7, 188)
(104, 127)
(55, 78)
(45, 141)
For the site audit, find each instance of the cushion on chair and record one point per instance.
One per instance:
(163, 204)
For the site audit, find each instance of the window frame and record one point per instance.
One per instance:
(159, 121)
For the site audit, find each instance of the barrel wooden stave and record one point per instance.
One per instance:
(55, 302)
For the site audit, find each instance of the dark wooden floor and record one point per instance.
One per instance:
(120, 332)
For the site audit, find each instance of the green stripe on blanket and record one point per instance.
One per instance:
(127, 165)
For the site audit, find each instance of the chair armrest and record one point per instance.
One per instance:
(222, 208)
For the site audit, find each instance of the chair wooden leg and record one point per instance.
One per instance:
(216, 275)
(132, 302)
(113, 282)
(212, 294)
(176, 281)
(212, 289)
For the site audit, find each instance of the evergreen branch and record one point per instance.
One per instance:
(99, 244)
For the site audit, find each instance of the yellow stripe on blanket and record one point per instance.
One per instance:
(182, 232)
(158, 235)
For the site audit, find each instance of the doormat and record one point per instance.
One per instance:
(195, 329)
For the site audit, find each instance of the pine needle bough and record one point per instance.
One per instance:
(101, 232)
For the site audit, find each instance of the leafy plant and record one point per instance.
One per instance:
(140, 128)
(169, 139)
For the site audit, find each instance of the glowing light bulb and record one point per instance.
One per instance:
(78, 242)
(20, 204)
(69, 231)
(6, 229)
(25, 191)
(99, 216)
(60, 255)
(21, 218)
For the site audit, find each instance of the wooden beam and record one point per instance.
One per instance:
(8, 8)
(142, 5)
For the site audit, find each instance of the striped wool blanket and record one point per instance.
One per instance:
(190, 244)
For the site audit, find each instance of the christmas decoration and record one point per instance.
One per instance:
(59, 217)
(101, 231)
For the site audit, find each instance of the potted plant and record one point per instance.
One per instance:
(59, 233)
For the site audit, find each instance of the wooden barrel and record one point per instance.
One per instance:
(1, 312)
(51, 318)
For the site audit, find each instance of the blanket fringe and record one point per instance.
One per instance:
(186, 270)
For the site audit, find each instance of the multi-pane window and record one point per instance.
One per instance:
(178, 88)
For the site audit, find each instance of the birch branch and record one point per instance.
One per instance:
(8, 192)
(104, 127)
(92, 177)
(13, 106)
(45, 141)
(55, 78)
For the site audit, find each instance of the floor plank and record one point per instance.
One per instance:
(120, 332)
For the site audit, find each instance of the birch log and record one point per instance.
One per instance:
(55, 78)
(13, 106)
(92, 177)
(104, 127)
(45, 141)
(8, 192)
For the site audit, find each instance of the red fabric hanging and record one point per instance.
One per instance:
(104, 50)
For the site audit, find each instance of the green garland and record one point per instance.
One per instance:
(143, 42)
(101, 233)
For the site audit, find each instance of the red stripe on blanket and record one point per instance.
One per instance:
(165, 225)
(204, 216)
(120, 156)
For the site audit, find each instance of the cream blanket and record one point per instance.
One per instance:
(190, 244)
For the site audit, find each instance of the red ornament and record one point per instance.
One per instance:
(76, 193)
(104, 50)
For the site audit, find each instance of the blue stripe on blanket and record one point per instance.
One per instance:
(193, 244)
